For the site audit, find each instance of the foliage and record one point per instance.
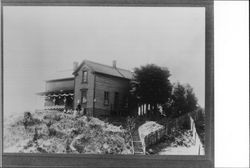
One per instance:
(130, 124)
(35, 137)
(52, 116)
(68, 135)
(177, 138)
(151, 85)
(27, 118)
(52, 132)
(49, 123)
(183, 100)
(199, 119)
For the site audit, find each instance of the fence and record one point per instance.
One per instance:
(150, 133)
(143, 109)
(188, 123)
(153, 137)
(196, 138)
(185, 121)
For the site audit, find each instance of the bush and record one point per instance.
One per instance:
(88, 118)
(52, 132)
(27, 115)
(57, 117)
(75, 132)
(35, 137)
(27, 119)
(48, 124)
(130, 124)
(29, 144)
(95, 127)
(51, 116)
(67, 146)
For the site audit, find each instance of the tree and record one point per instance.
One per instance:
(191, 100)
(151, 85)
(183, 100)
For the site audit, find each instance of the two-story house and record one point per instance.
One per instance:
(99, 89)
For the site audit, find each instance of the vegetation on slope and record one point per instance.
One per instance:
(56, 132)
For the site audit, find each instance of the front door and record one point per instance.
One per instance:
(84, 100)
(116, 103)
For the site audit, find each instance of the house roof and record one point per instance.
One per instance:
(60, 75)
(106, 69)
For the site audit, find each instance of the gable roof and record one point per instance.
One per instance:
(105, 69)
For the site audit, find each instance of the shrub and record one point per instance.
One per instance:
(75, 132)
(67, 146)
(27, 119)
(52, 116)
(130, 124)
(88, 118)
(57, 117)
(52, 132)
(35, 136)
(95, 126)
(29, 144)
(27, 115)
(41, 150)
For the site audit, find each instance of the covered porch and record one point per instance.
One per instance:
(58, 100)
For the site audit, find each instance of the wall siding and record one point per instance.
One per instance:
(112, 85)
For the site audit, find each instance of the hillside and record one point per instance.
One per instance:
(56, 132)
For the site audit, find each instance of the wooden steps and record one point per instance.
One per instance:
(138, 148)
(137, 144)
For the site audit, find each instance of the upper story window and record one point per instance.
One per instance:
(84, 77)
(106, 98)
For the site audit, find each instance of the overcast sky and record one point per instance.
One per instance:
(41, 40)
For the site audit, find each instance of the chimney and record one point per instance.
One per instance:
(114, 63)
(75, 65)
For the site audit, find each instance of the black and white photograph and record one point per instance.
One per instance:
(107, 80)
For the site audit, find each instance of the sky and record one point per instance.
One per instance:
(39, 41)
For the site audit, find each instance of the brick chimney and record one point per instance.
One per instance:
(114, 63)
(75, 65)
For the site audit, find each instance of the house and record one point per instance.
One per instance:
(101, 90)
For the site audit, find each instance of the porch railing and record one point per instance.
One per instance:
(55, 107)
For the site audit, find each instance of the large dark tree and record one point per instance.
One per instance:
(151, 85)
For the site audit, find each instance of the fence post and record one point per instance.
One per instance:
(199, 149)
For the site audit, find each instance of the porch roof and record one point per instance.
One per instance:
(57, 92)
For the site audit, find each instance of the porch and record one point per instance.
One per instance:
(58, 100)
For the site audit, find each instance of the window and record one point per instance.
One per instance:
(125, 101)
(116, 102)
(106, 98)
(84, 77)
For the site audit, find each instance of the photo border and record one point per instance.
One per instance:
(128, 161)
